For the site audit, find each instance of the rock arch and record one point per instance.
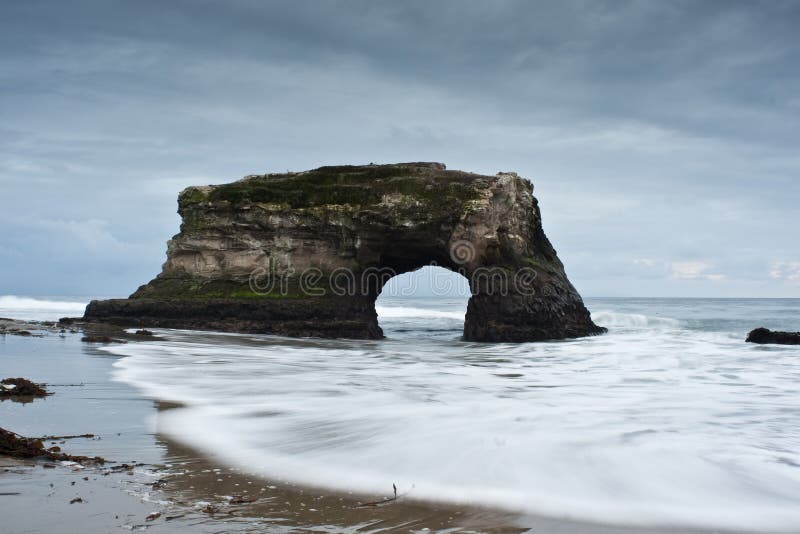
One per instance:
(306, 254)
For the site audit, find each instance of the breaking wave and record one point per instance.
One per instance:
(396, 312)
(611, 319)
(36, 309)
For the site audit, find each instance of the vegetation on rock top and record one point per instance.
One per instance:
(355, 185)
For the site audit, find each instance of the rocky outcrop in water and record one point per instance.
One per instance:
(765, 336)
(307, 254)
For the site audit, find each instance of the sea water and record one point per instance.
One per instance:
(41, 309)
(669, 419)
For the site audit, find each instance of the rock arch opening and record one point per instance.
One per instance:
(430, 301)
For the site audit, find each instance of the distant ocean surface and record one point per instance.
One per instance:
(669, 419)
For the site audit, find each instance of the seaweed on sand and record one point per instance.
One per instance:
(21, 387)
(16, 446)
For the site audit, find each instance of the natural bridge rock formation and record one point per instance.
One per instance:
(306, 254)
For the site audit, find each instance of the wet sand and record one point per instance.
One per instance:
(179, 489)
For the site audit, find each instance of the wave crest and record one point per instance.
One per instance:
(32, 309)
(397, 312)
(612, 319)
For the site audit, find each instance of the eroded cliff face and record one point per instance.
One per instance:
(306, 254)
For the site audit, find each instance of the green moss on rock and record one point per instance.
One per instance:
(342, 185)
(191, 195)
(185, 288)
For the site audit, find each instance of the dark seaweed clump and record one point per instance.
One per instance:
(21, 387)
(16, 446)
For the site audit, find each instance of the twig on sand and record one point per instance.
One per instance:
(54, 438)
(382, 501)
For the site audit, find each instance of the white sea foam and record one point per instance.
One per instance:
(38, 309)
(605, 318)
(611, 319)
(394, 312)
(646, 425)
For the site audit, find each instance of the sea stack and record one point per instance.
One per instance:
(307, 254)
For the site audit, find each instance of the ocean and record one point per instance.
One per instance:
(669, 419)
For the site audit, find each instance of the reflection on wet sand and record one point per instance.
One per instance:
(214, 492)
(203, 491)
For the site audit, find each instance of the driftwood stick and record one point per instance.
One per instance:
(53, 438)
(382, 501)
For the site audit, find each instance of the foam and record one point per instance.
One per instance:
(643, 426)
(612, 319)
(35, 309)
(395, 312)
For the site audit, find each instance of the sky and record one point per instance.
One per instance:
(661, 136)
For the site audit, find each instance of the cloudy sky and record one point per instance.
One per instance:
(661, 136)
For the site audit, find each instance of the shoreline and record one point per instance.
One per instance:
(193, 491)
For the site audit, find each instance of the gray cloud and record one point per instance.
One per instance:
(656, 133)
